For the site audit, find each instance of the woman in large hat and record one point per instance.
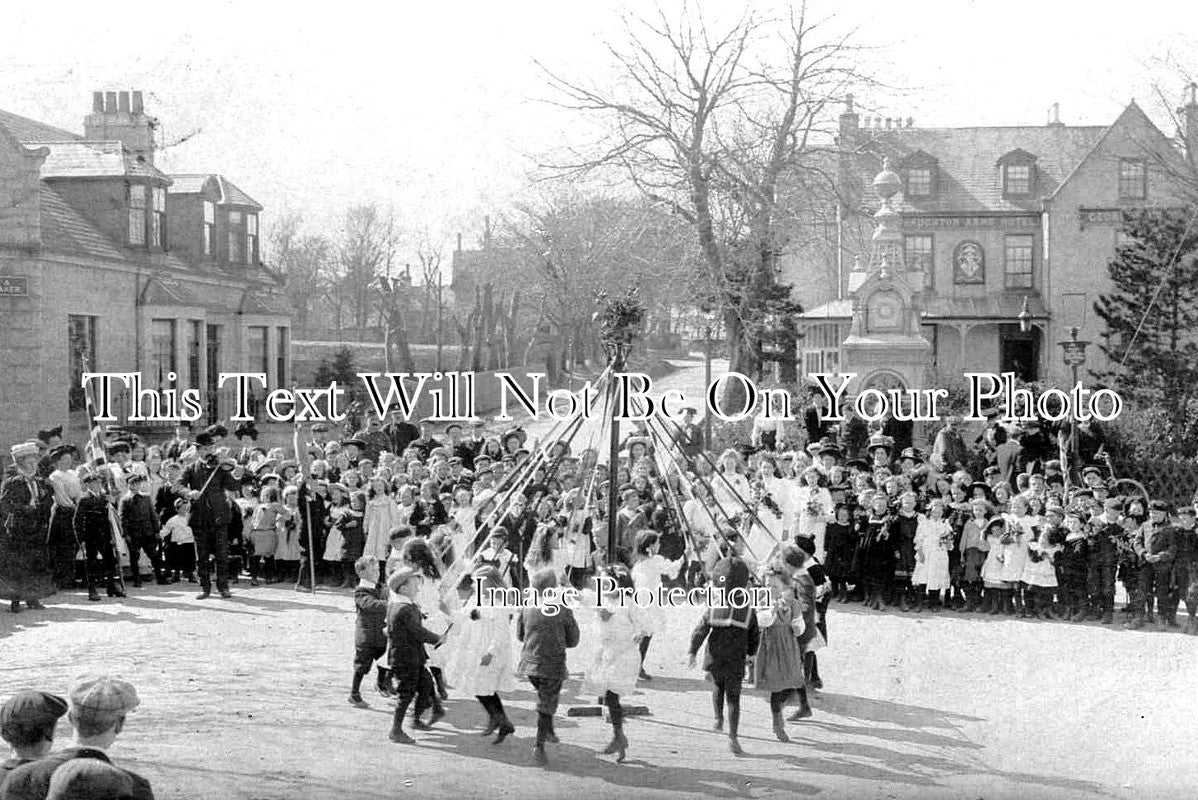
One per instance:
(26, 573)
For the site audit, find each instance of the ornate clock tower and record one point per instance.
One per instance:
(885, 346)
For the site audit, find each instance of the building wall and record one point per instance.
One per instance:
(20, 199)
(1081, 245)
(993, 243)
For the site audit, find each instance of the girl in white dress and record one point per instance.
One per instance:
(1040, 573)
(647, 572)
(480, 664)
(616, 663)
(933, 540)
(1024, 528)
(813, 509)
(380, 519)
(729, 487)
(418, 555)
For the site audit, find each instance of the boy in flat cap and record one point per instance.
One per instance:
(1157, 547)
(407, 638)
(1102, 559)
(93, 528)
(139, 523)
(98, 706)
(27, 722)
(1185, 565)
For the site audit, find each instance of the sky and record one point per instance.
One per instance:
(437, 109)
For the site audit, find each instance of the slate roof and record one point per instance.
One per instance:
(30, 130)
(968, 176)
(64, 229)
(230, 195)
(78, 159)
(188, 184)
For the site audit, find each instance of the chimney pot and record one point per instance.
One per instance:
(888, 121)
(459, 242)
(1192, 89)
(98, 102)
(910, 121)
(848, 103)
(110, 102)
(139, 106)
(123, 102)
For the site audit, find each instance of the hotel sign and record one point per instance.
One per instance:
(1001, 223)
(14, 286)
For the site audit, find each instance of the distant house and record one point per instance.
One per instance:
(992, 217)
(107, 261)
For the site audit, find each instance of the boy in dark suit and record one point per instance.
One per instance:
(139, 523)
(370, 629)
(407, 637)
(93, 528)
(543, 661)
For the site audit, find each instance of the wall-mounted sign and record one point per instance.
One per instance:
(911, 222)
(14, 286)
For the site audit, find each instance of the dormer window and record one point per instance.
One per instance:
(137, 214)
(1018, 179)
(209, 232)
(236, 238)
(251, 238)
(158, 218)
(1018, 173)
(919, 182)
(919, 175)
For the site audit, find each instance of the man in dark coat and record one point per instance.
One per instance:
(401, 433)
(209, 480)
(98, 710)
(26, 572)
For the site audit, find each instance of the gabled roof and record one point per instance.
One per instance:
(30, 130)
(230, 195)
(968, 180)
(78, 159)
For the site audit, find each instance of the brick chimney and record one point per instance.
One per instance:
(121, 117)
(1189, 123)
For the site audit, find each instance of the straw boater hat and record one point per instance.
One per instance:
(24, 450)
(879, 440)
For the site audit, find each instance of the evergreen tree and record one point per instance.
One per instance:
(1151, 316)
(340, 369)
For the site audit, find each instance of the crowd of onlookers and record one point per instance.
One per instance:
(97, 708)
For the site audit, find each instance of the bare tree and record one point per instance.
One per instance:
(306, 262)
(367, 250)
(713, 125)
(571, 246)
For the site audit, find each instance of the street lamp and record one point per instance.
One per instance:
(1025, 317)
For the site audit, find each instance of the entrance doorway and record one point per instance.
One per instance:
(1019, 352)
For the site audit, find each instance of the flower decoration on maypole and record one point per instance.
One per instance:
(618, 321)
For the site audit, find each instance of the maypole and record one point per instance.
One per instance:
(619, 320)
